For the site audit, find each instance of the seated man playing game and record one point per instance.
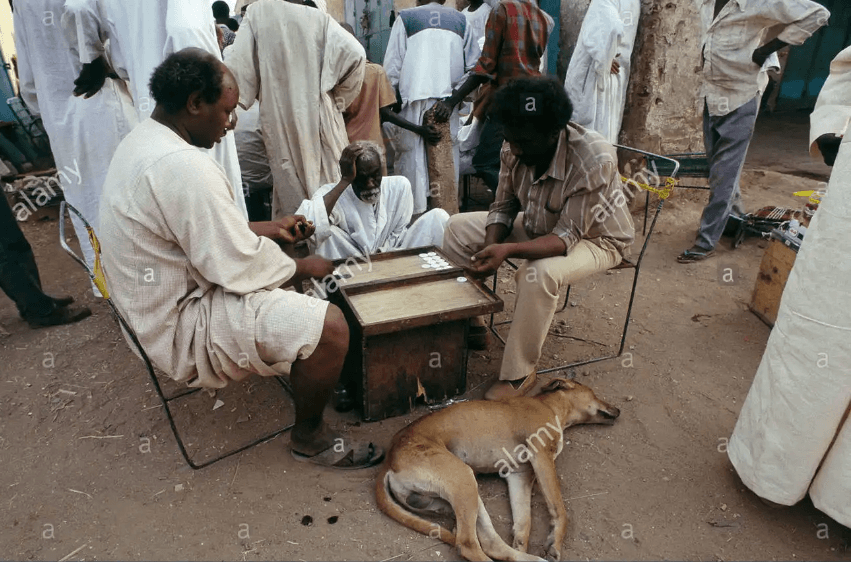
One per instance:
(200, 288)
(370, 217)
(559, 175)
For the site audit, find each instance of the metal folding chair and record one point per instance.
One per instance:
(663, 193)
(97, 277)
(690, 165)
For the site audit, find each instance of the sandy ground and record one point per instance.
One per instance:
(89, 468)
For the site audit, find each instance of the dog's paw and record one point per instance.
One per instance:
(521, 544)
(553, 554)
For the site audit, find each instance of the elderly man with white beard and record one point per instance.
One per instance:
(373, 215)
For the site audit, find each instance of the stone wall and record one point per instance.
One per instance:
(663, 110)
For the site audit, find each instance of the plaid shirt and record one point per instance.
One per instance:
(515, 37)
(579, 196)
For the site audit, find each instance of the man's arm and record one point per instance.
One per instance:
(430, 133)
(242, 59)
(802, 19)
(484, 70)
(26, 80)
(81, 23)
(393, 59)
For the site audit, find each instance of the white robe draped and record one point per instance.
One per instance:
(357, 228)
(142, 34)
(797, 413)
(304, 69)
(83, 133)
(598, 96)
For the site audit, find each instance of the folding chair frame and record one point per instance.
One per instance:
(99, 282)
(624, 264)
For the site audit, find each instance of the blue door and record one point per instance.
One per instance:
(808, 64)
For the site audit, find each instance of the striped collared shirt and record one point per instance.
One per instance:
(579, 196)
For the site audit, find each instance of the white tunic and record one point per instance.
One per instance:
(801, 393)
(357, 228)
(304, 69)
(198, 287)
(598, 95)
(141, 34)
(83, 133)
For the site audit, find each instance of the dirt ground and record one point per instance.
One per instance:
(89, 468)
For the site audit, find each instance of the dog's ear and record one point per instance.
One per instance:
(558, 384)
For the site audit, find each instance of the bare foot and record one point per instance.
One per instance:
(310, 442)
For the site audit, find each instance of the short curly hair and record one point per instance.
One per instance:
(183, 73)
(537, 100)
(220, 9)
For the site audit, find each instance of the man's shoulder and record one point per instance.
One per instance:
(395, 183)
(433, 16)
(373, 71)
(589, 148)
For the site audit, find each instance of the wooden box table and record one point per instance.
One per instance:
(408, 313)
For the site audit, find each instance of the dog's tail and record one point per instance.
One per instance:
(393, 509)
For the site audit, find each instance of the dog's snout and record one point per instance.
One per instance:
(610, 412)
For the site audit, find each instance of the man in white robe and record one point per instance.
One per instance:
(201, 290)
(430, 50)
(793, 434)
(370, 217)
(141, 34)
(599, 70)
(83, 133)
(304, 69)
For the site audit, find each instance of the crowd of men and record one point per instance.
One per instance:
(150, 99)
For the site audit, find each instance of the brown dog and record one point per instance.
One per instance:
(436, 458)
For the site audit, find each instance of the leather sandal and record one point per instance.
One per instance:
(500, 390)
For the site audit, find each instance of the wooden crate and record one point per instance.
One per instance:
(409, 330)
(775, 267)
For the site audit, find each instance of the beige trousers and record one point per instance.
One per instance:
(538, 285)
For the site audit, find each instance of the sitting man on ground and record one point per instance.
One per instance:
(574, 219)
(200, 288)
(373, 215)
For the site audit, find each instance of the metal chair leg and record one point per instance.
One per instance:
(124, 326)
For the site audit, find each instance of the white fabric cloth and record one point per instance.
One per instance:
(477, 20)
(358, 228)
(83, 133)
(411, 161)
(304, 69)
(139, 35)
(198, 287)
(431, 62)
(730, 78)
(424, 65)
(801, 391)
(608, 32)
(832, 109)
(255, 168)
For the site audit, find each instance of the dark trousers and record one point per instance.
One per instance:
(19, 276)
(486, 159)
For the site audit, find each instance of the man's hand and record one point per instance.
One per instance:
(828, 145)
(313, 267)
(289, 229)
(442, 111)
(489, 259)
(92, 78)
(430, 133)
(615, 67)
(348, 163)
(294, 228)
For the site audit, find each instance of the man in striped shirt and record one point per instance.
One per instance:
(574, 219)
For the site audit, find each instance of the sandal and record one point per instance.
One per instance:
(361, 455)
(695, 254)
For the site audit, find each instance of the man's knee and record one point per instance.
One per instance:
(536, 275)
(335, 334)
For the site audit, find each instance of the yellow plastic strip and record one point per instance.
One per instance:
(662, 193)
(99, 279)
